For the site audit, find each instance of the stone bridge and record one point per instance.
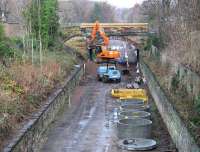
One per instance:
(111, 29)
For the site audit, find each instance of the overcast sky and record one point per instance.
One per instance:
(123, 3)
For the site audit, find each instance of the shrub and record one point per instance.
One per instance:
(153, 40)
(175, 82)
(197, 103)
(5, 49)
(2, 34)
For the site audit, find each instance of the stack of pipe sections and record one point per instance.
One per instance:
(134, 123)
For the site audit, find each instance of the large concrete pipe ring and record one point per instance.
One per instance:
(137, 144)
(134, 114)
(126, 108)
(131, 102)
(134, 128)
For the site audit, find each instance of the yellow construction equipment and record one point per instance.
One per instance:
(130, 94)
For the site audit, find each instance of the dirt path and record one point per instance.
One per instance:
(87, 126)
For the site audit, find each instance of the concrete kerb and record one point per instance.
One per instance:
(30, 135)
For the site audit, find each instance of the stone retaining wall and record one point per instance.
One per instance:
(179, 133)
(185, 76)
(30, 136)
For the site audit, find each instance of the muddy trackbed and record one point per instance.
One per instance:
(86, 125)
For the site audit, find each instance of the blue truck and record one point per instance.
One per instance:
(108, 73)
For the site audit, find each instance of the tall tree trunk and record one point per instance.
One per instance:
(40, 38)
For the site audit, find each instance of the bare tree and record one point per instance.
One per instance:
(3, 9)
(178, 22)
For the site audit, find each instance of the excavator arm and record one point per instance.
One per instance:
(98, 34)
(105, 38)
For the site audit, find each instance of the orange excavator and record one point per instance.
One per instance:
(100, 41)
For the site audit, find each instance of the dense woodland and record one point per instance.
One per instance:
(74, 12)
(177, 24)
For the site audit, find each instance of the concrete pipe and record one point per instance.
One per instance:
(134, 114)
(128, 108)
(131, 102)
(134, 128)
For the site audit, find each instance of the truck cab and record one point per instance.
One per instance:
(108, 73)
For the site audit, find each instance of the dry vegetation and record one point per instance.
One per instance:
(177, 94)
(78, 11)
(24, 87)
(78, 45)
(177, 24)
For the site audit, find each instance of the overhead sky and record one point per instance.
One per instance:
(122, 3)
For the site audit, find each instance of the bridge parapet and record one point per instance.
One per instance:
(111, 29)
(137, 26)
(119, 28)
